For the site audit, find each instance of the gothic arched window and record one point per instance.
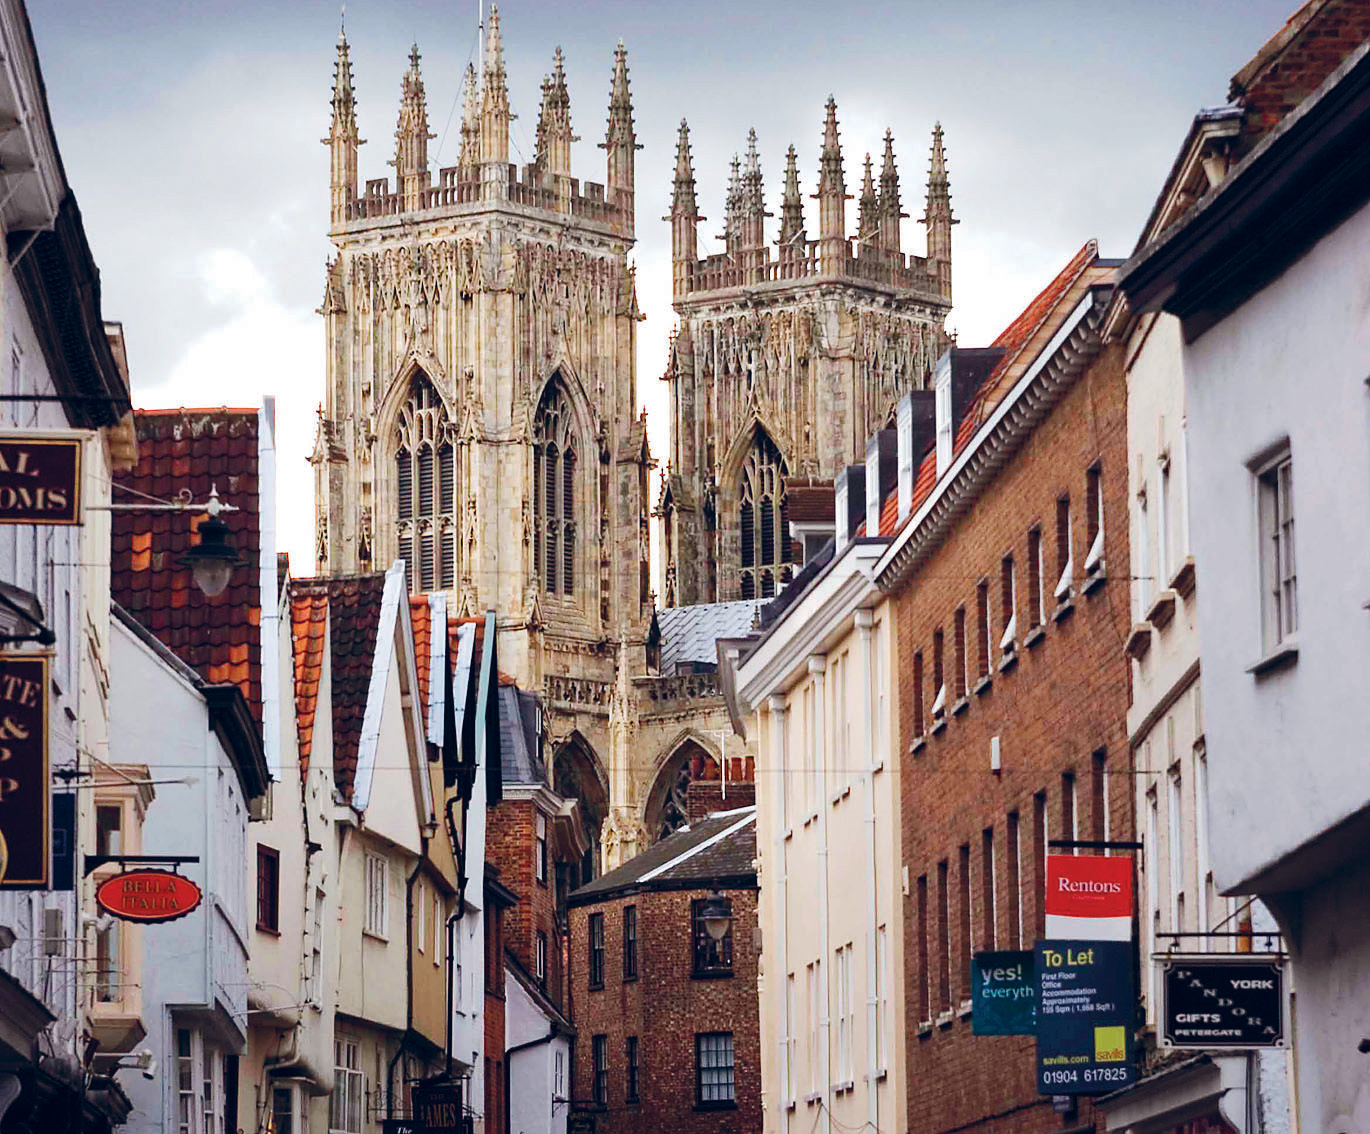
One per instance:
(554, 493)
(767, 549)
(425, 490)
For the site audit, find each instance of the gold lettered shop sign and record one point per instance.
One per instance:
(40, 479)
(25, 831)
(148, 896)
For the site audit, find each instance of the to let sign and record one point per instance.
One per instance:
(1232, 1001)
(25, 821)
(40, 480)
(1003, 994)
(148, 895)
(1085, 1009)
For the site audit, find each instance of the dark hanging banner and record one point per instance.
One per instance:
(438, 1109)
(40, 479)
(1085, 1008)
(1223, 1000)
(1003, 994)
(25, 819)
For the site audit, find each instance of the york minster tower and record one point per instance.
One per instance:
(784, 364)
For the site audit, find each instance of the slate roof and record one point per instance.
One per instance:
(308, 621)
(354, 612)
(688, 633)
(518, 744)
(724, 862)
(194, 450)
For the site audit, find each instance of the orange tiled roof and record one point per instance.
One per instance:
(1019, 335)
(422, 625)
(194, 450)
(354, 614)
(308, 620)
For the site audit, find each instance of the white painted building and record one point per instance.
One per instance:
(1267, 275)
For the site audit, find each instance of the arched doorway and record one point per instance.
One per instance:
(576, 774)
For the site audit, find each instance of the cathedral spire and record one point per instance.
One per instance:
(937, 215)
(342, 139)
(411, 137)
(554, 135)
(470, 119)
(867, 224)
(753, 200)
(620, 140)
(684, 216)
(733, 209)
(791, 210)
(494, 109)
(889, 198)
(832, 199)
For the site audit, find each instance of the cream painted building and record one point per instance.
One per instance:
(1177, 891)
(816, 691)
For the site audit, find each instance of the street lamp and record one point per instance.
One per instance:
(212, 559)
(21, 617)
(717, 915)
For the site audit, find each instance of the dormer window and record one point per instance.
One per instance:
(944, 422)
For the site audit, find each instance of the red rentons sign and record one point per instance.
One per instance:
(148, 895)
(40, 480)
(1089, 897)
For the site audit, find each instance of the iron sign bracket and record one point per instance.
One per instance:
(95, 861)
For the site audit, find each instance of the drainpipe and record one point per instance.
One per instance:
(817, 665)
(778, 705)
(409, 976)
(865, 619)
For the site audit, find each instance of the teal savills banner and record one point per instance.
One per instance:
(1003, 994)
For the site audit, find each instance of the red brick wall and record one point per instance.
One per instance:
(665, 1007)
(1064, 701)
(705, 796)
(494, 1023)
(511, 846)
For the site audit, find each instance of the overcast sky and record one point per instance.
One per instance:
(190, 134)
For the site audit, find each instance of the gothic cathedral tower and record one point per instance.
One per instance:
(481, 417)
(782, 366)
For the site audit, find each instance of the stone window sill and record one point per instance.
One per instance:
(919, 743)
(945, 1018)
(1285, 654)
(938, 725)
(1063, 608)
(1009, 660)
(1183, 581)
(925, 1027)
(963, 1010)
(1162, 609)
(843, 1087)
(1138, 641)
(1093, 581)
(1035, 635)
(960, 707)
(983, 685)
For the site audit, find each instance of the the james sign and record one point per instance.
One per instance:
(148, 895)
(40, 480)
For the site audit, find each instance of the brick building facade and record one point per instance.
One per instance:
(1011, 610)
(667, 1034)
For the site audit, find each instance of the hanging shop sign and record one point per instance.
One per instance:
(148, 896)
(1225, 1001)
(438, 1109)
(1085, 1007)
(40, 479)
(1089, 897)
(399, 1126)
(25, 818)
(1003, 994)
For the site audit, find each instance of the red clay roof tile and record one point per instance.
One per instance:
(193, 450)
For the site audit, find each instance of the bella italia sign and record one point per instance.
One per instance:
(40, 478)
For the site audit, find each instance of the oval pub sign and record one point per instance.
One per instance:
(148, 895)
